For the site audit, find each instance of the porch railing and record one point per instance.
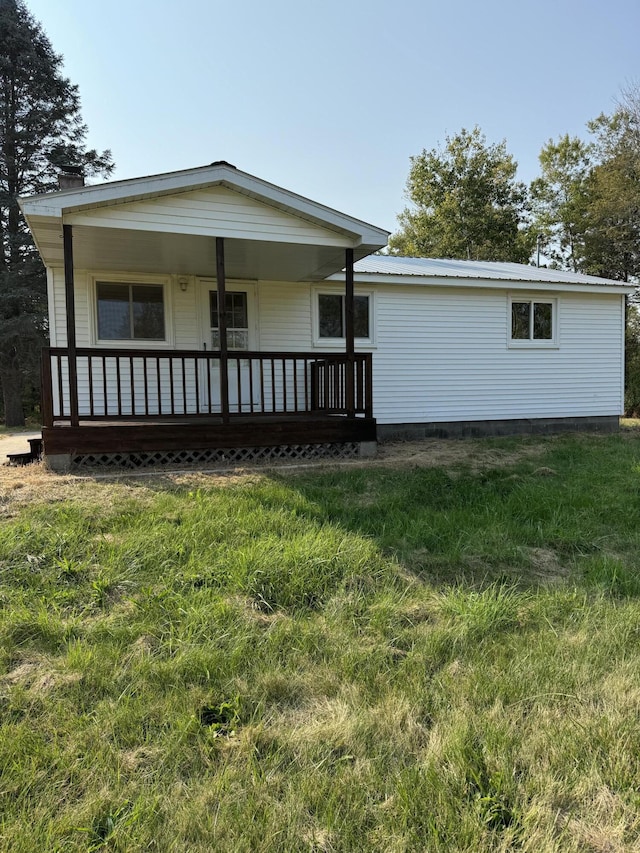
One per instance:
(117, 384)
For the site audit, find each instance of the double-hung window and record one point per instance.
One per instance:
(533, 322)
(331, 319)
(129, 311)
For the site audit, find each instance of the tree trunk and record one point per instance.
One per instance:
(12, 395)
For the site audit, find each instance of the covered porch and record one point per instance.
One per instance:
(142, 392)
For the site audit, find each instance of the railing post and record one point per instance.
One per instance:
(67, 240)
(222, 330)
(46, 389)
(349, 310)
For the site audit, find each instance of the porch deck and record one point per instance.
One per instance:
(144, 401)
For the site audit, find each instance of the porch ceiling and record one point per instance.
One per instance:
(139, 251)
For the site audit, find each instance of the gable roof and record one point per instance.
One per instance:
(217, 174)
(160, 223)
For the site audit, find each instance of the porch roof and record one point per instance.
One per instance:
(168, 223)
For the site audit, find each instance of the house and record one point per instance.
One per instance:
(322, 346)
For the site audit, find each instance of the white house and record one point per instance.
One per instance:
(322, 348)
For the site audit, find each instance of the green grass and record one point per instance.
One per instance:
(363, 659)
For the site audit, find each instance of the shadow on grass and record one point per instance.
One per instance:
(536, 523)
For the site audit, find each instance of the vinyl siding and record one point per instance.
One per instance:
(450, 361)
(57, 302)
(216, 211)
(284, 316)
(441, 353)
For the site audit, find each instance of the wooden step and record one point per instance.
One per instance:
(20, 458)
(36, 448)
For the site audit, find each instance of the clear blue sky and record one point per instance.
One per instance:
(330, 99)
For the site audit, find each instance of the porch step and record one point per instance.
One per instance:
(33, 455)
(20, 458)
(36, 448)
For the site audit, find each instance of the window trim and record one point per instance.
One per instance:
(340, 343)
(534, 343)
(163, 281)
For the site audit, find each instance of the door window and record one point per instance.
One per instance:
(236, 316)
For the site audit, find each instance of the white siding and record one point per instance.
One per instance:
(58, 320)
(442, 356)
(284, 316)
(186, 316)
(216, 211)
(441, 353)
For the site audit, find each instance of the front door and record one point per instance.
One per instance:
(240, 300)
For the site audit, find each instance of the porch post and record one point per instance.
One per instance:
(222, 330)
(349, 301)
(70, 307)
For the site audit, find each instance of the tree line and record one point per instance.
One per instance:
(582, 213)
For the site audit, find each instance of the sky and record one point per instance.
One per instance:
(331, 99)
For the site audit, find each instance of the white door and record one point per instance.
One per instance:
(241, 336)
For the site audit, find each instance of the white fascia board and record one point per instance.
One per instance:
(137, 189)
(485, 284)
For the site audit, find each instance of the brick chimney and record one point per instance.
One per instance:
(70, 178)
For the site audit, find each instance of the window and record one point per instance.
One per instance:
(130, 312)
(533, 321)
(236, 316)
(331, 316)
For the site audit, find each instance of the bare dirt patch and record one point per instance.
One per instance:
(545, 564)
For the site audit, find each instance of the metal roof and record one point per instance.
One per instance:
(449, 268)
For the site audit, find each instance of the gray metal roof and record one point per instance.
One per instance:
(448, 268)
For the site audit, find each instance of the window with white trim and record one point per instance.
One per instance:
(130, 311)
(533, 322)
(330, 320)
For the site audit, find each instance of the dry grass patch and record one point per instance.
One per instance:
(454, 453)
(39, 676)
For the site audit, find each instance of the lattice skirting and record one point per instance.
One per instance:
(217, 457)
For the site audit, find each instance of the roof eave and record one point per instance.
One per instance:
(494, 283)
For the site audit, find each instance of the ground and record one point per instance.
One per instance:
(434, 650)
(20, 486)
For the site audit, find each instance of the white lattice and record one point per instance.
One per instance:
(217, 457)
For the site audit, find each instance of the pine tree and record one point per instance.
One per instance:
(41, 129)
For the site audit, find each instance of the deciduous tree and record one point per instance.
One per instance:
(466, 203)
(612, 233)
(560, 197)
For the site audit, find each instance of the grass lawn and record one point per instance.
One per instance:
(439, 652)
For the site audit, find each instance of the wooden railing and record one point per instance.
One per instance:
(117, 384)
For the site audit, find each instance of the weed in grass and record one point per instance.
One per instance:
(484, 613)
(223, 717)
